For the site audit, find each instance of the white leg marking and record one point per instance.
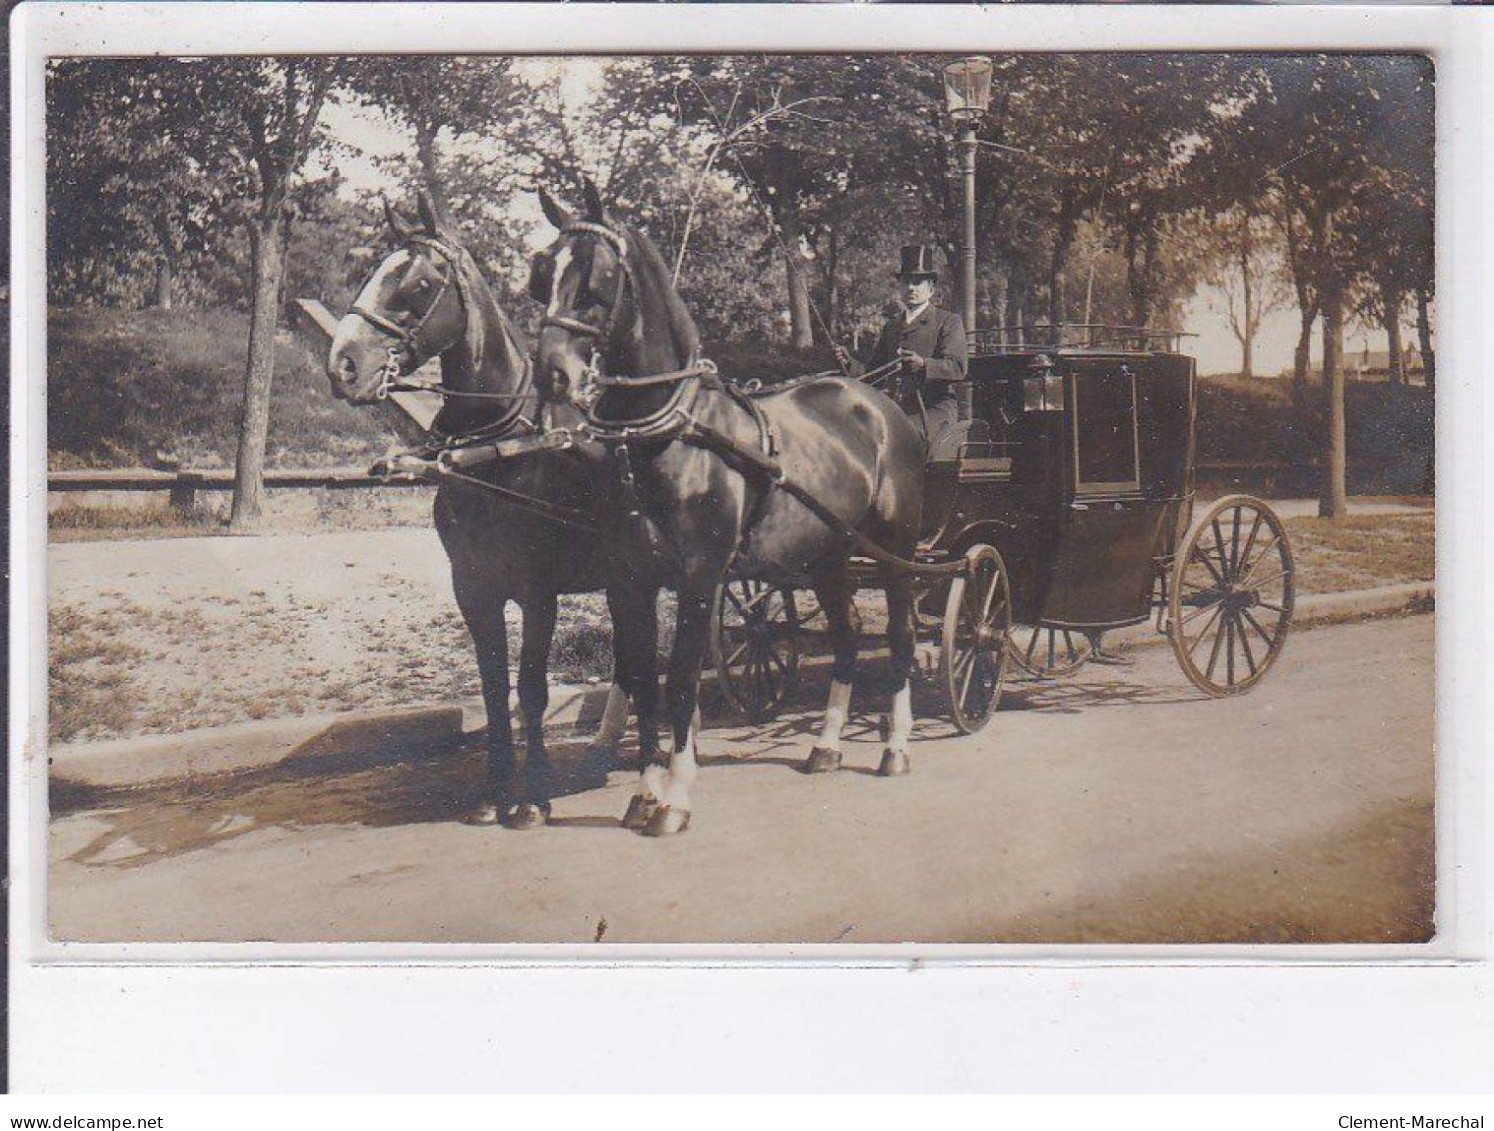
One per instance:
(682, 771)
(653, 782)
(837, 710)
(614, 718)
(902, 720)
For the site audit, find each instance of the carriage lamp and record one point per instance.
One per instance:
(967, 93)
(967, 88)
(1043, 391)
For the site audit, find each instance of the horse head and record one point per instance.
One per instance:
(610, 306)
(416, 304)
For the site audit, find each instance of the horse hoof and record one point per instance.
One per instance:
(667, 821)
(640, 811)
(822, 761)
(894, 764)
(488, 813)
(529, 816)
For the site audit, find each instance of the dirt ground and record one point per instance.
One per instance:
(1119, 805)
(163, 635)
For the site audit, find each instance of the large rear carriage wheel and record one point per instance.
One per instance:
(755, 647)
(973, 649)
(1232, 590)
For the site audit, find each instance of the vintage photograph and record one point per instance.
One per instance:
(741, 499)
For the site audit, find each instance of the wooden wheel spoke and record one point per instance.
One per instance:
(1032, 643)
(1252, 583)
(737, 652)
(1218, 641)
(1234, 542)
(1198, 610)
(1200, 556)
(1255, 529)
(1245, 643)
(1204, 632)
(1269, 638)
(1219, 545)
(1265, 556)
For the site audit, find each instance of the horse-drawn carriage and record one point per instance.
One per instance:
(1072, 501)
(1066, 511)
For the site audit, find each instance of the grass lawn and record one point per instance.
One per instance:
(1360, 553)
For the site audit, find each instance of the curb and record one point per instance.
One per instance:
(363, 739)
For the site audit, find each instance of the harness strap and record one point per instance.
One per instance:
(749, 462)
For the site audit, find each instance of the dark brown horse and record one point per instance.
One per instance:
(691, 466)
(427, 299)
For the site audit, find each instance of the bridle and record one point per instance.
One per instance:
(403, 354)
(595, 380)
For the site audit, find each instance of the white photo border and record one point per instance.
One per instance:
(55, 980)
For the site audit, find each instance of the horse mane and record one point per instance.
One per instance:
(477, 298)
(655, 274)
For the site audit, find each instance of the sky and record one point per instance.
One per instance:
(1214, 347)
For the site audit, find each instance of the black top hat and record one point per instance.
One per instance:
(918, 259)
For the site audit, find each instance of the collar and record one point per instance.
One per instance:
(912, 316)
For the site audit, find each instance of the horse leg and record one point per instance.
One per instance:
(836, 593)
(635, 637)
(534, 696)
(900, 641)
(691, 638)
(483, 612)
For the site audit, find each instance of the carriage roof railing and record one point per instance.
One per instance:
(999, 340)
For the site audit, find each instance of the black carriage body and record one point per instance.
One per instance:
(1079, 470)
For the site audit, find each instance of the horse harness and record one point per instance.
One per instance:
(675, 420)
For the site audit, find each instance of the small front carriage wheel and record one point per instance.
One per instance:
(1231, 596)
(1048, 651)
(755, 647)
(973, 650)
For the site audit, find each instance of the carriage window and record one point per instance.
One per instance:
(1105, 456)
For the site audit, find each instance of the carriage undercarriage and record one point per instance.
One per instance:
(1081, 504)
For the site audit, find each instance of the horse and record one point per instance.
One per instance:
(427, 299)
(706, 478)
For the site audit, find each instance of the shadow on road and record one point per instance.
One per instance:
(135, 830)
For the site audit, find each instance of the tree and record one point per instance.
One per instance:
(126, 208)
(249, 124)
(439, 99)
(1244, 274)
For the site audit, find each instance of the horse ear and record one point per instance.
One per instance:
(595, 210)
(554, 211)
(427, 209)
(397, 225)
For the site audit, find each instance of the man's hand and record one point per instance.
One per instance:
(842, 355)
(913, 362)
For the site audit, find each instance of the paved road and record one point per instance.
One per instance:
(1118, 806)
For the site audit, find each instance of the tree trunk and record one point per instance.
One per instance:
(832, 282)
(426, 134)
(164, 283)
(1013, 319)
(801, 327)
(1424, 332)
(1063, 241)
(1395, 361)
(1247, 339)
(254, 420)
(1333, 501)
(1302, 361)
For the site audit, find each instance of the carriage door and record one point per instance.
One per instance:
(1103, 574)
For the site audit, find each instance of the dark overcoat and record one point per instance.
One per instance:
(938, 336)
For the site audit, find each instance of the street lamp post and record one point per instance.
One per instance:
(967, 94)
